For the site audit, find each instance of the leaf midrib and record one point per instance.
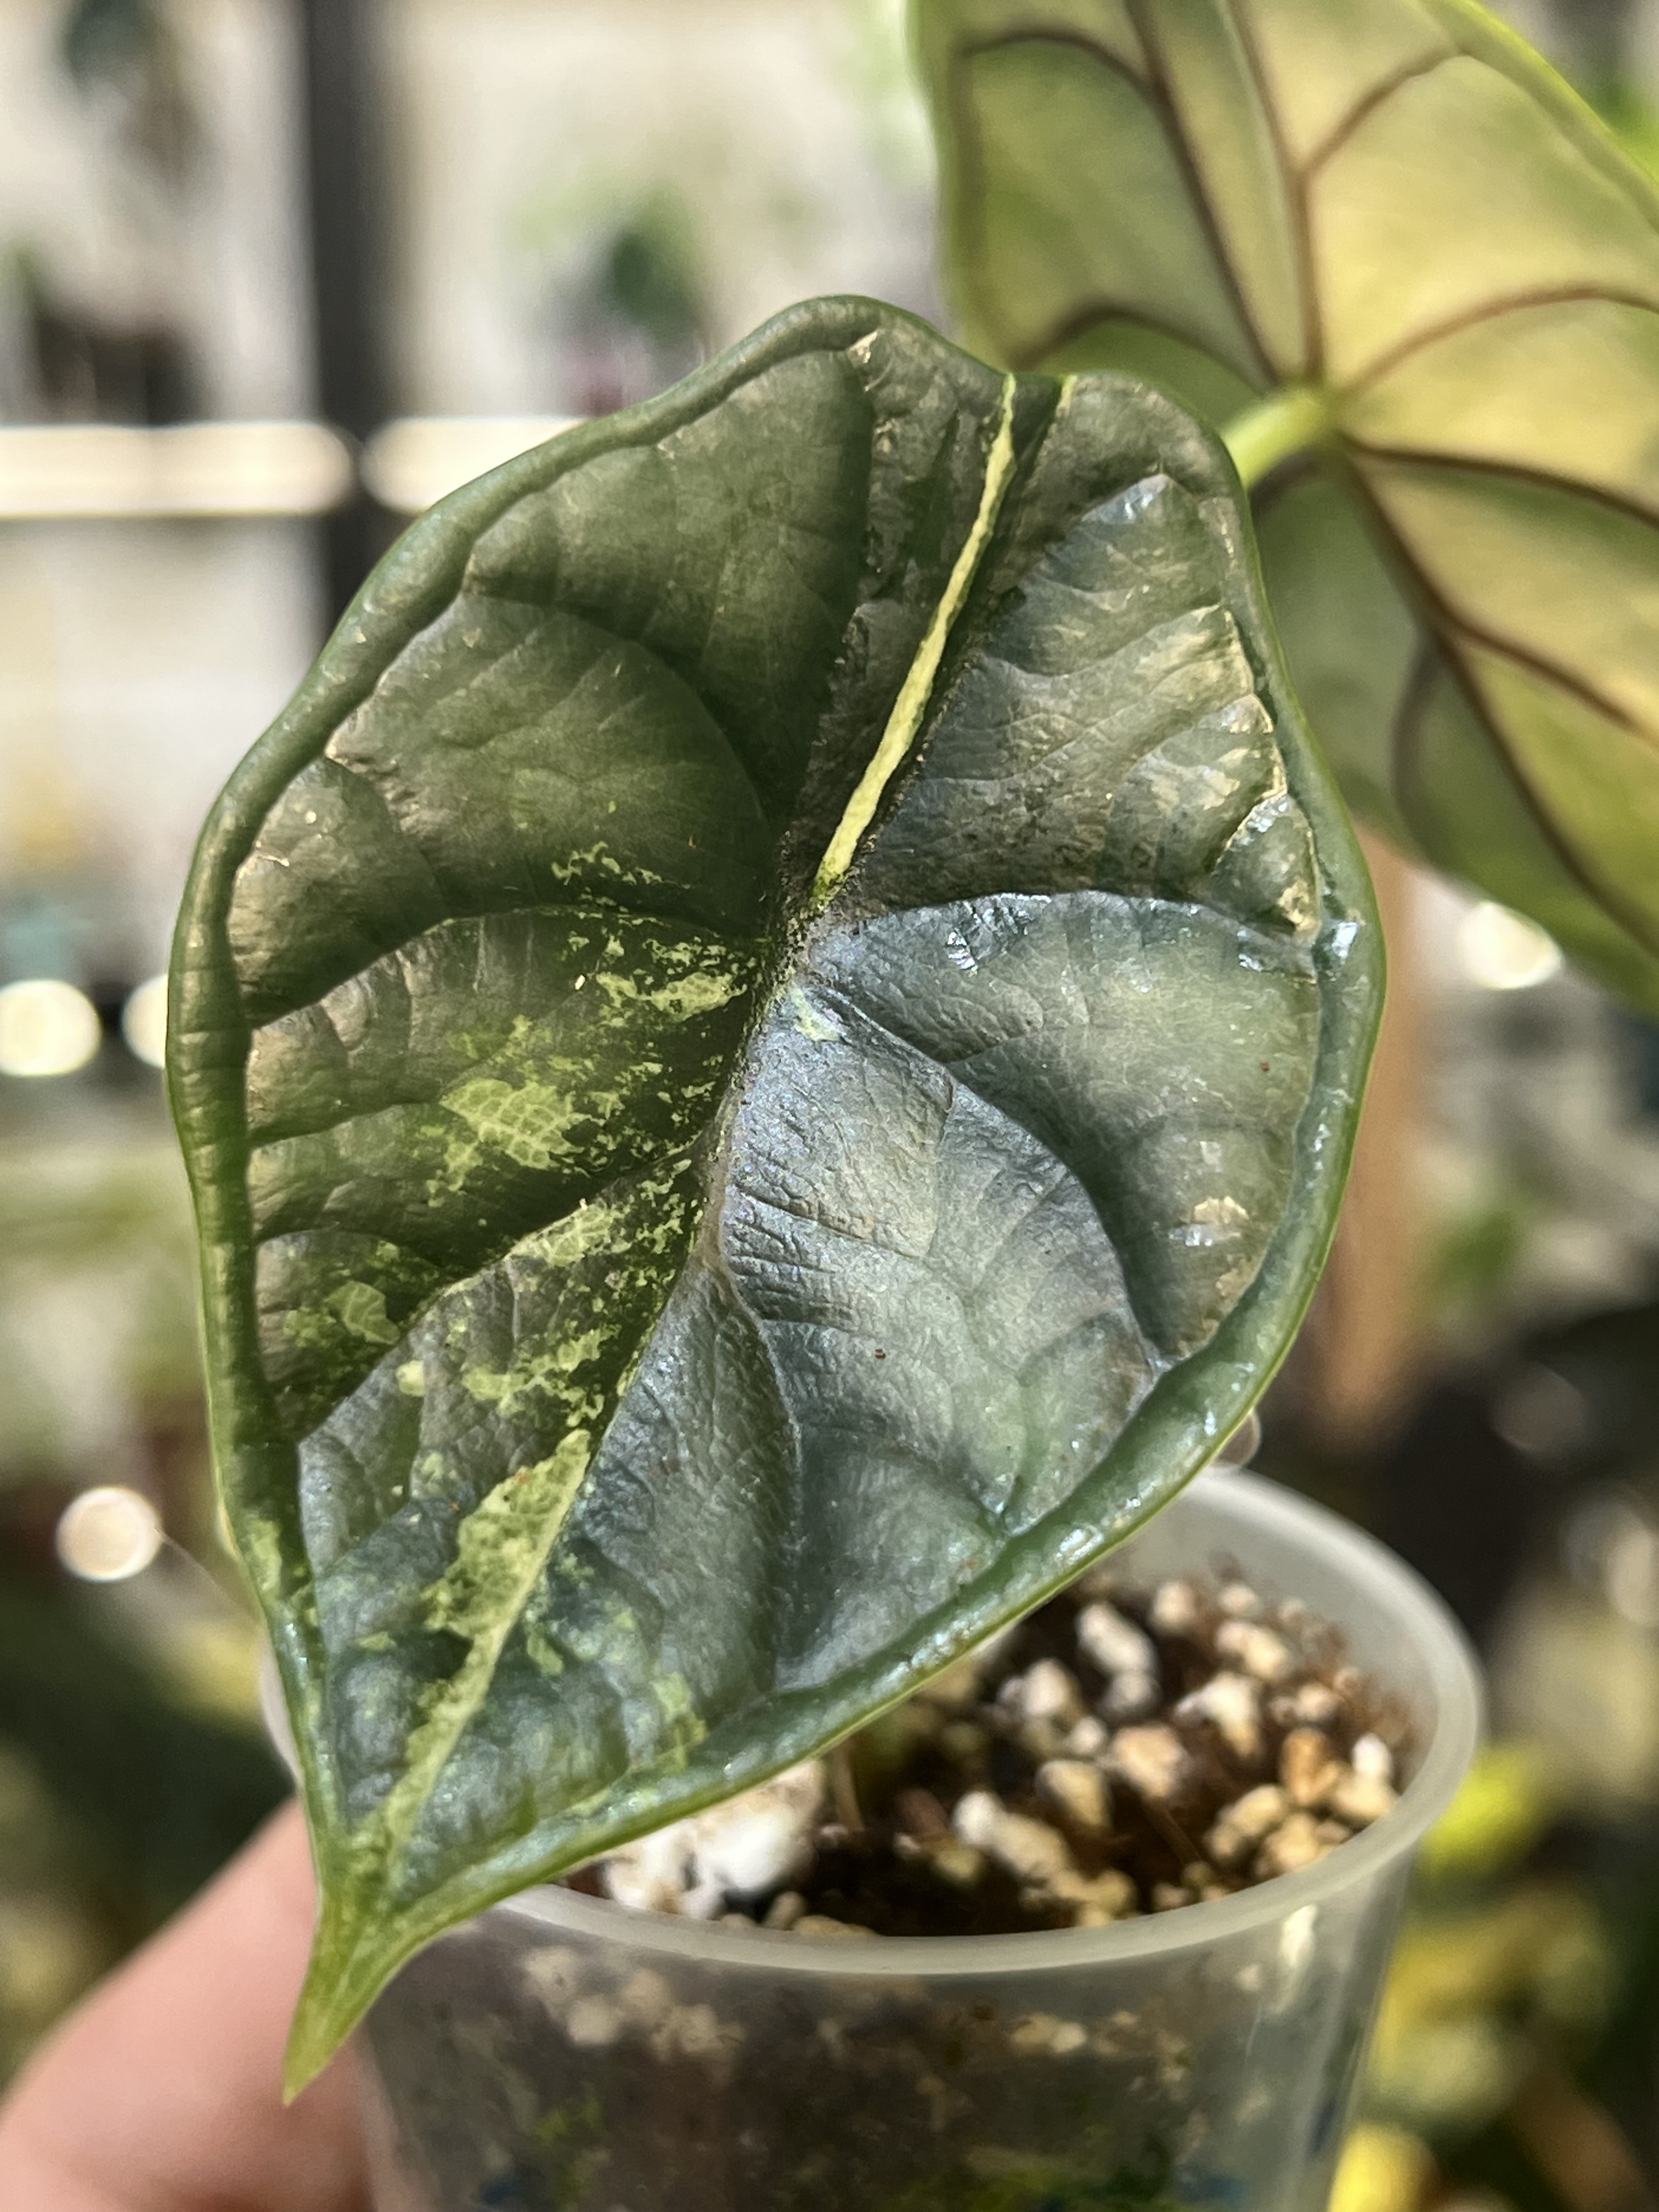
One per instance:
(916, 694)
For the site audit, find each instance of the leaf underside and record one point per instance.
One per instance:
(1396, 204)
(680, 1264)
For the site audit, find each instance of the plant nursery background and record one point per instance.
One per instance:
(274, 276)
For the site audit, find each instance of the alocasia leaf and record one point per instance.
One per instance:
(1387, 248)
(766, 1054)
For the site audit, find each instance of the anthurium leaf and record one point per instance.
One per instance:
(766, 1054)
(1412, 275)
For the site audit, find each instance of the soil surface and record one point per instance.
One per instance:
(1121, 1751)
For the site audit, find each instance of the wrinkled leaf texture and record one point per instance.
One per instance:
(1397, 205)
(767, 1053)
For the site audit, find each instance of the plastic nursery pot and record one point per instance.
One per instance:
(559, 2051)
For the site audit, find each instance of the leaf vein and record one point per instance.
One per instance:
(1490, 311)
(1448, 626)
(1520, 472)
(1367, 106)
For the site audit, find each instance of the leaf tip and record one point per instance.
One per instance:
(313, 2041)
(339, 1987)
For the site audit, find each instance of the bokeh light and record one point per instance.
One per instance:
(46, 1028)
(1504, 952)
(108, 1534)
(144, 1022)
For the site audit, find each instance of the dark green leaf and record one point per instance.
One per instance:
(1387, 249)
(767, 1053)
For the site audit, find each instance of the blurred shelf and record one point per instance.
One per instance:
(60, 471)
(417, 459)
(63, 472)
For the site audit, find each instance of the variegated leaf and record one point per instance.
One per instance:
(766, 1054)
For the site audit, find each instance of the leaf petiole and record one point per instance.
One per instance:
(1286, 421)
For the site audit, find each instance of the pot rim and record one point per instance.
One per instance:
(1379, 1580)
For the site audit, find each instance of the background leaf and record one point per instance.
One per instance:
(1394, 206)
(766, 1054)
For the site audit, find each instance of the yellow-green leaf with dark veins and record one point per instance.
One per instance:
(1412, 275)
(766, 1054)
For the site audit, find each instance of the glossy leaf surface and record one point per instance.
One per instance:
(767, 1053)
(1391, 214)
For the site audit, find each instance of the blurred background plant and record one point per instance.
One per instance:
(274, 274)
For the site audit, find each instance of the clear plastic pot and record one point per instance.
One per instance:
(559, 2052)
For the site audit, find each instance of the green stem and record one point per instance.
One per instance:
(1286, 421)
